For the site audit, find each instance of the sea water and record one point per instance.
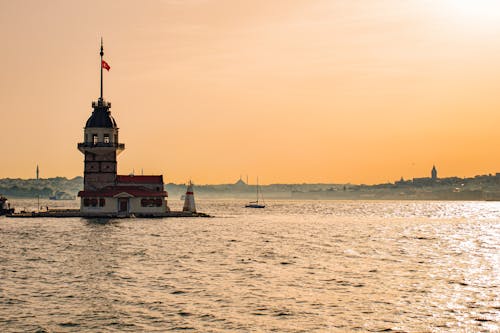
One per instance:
(295, 266)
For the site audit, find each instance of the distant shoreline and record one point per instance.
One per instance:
(478, 188)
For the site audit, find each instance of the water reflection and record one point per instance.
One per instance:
(297, 266)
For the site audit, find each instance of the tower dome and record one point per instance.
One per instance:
(101, 116)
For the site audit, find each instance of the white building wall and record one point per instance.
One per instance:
(135, 206)
(111, 206)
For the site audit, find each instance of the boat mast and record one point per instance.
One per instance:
(257, 189)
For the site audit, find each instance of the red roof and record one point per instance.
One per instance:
(134, 191)
(139, 179)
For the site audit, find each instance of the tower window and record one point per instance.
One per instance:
(94, 139)
(106, 138)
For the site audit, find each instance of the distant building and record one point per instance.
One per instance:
(402, 182)
(37, 172)
(434, 173)
(426, 181)
(240, 183)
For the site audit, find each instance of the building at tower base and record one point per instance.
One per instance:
(130, 195)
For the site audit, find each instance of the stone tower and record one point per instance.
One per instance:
(100, 144)
(434, 173)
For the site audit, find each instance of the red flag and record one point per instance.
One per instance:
(105, 65)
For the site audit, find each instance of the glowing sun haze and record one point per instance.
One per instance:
(289, 90)
(478, 10)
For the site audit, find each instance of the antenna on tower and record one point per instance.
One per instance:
(101, 53)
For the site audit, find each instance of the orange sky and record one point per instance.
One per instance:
(357, 91)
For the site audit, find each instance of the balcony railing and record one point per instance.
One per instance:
(101, 144)
(101, 103)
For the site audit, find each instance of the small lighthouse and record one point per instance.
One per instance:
(189, 205)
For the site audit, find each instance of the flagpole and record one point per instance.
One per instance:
(102, 53)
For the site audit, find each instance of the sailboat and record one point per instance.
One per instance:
(256, 204)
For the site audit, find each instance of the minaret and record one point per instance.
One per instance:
(434, 173)
(100, 144)
(37, 172)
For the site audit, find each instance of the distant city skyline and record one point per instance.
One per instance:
(290, 91)
(434, 176)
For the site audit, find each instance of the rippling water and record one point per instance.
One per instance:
(296, 266)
